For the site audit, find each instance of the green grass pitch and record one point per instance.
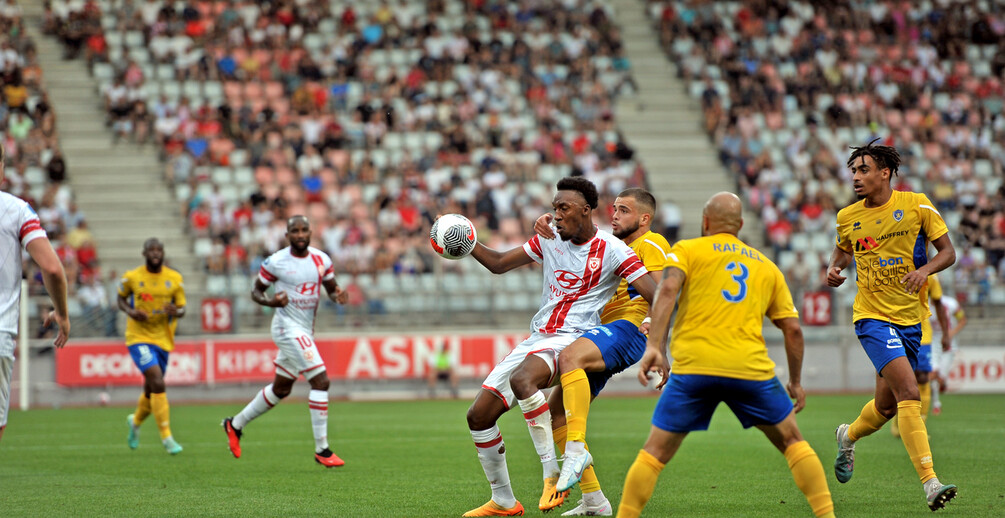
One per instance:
(416, 459)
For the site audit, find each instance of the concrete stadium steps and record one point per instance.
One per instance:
(664, 125)
(119, 187)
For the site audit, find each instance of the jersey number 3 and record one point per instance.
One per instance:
(741, 280)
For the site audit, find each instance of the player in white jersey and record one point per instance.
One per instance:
(581, 270)
(20, 227)
(942, 359)
(297, 274)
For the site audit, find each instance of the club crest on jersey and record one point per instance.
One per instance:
(321, 270)
(857, 225)
(593, 263)
(898, 214)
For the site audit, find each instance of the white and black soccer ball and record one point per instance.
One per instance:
(453, 236)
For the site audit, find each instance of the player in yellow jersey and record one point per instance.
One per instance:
(726, 289)
(600, 353)
(153, 296)
(887, 233)
(923, 371)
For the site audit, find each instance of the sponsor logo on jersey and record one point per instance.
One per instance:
(307, 288)
(865, 243)
(568, 280)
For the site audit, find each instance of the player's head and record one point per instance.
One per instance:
(298, 233)
(723, 213)
(872, 168)
(634, 210)
(574, 203)
(153, 252)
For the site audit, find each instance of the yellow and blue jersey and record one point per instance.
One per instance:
(627, 303)
(889, 242)
(150, 292)
(729, 289)
(934, 293)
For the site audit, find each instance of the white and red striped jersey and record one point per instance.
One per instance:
(300, 278)
(579, 279)
(18, 226)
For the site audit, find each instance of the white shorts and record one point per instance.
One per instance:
(543, 346)
(298, 354)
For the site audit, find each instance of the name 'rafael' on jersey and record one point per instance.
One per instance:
(301, 279)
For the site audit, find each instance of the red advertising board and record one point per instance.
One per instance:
(237, 360)
(217, 315)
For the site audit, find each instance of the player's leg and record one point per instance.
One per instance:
(454, 382)
(765, 404)
(265, 399)
(431, 378)
(317, 401)
(491, 402)
(594, 502)
(681, 409)
(6, 375)
(536, 372)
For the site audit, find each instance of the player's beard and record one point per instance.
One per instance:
(626, 231)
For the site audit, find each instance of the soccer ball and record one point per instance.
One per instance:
(453, 236)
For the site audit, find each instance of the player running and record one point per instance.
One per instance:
(942, 361)
(887, 233)
(618, 343)
(297, 273)
(153, 296)
(726, 289)
(581, 272)
(20, 229)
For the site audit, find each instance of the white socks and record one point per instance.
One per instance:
(318, 402)
(575, 447)
(536, 412)
(263, 401)
(492, 455)
(594, 498)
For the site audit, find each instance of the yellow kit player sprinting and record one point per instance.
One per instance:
(153, 296)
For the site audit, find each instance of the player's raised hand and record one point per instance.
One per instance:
(653, 362)
(797, 393)
(63, 322)
(834, 277)
(542, 226)
(280, 299)
(913, 281)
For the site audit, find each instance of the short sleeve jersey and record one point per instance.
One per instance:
(934, 293)
(301, 279)
(19, 225)
(579, 279)
(627, 304)
(889, 242)
(729, 289)
(150, 292)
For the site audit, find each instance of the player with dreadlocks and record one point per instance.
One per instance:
(887, 233)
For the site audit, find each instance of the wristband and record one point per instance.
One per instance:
(647, 320)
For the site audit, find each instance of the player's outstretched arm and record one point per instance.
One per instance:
(500, 262)
(794, 347)
(840, 260)
(655, 358)
(258, 295)
(54, 280)
(942, 315)
(961, 322)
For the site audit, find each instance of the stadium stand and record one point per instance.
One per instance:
(786, 87)
(36, 169)
(369, 118)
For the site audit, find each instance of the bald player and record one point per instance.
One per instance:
(719, 355)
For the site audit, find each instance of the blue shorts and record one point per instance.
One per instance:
(884, 342)
(689, 400)
(621, 345)
(924, 358)
(149, 355)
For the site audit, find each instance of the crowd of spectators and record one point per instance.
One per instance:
(36, 170)
(787, 87)
(369, 117)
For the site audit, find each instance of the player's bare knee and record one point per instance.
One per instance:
(478, 420)
(281, 391)
(568, 361)
(320, 382)
(523, 385)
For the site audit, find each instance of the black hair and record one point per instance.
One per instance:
(646, 200)
(886, 157)
(581, 185)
